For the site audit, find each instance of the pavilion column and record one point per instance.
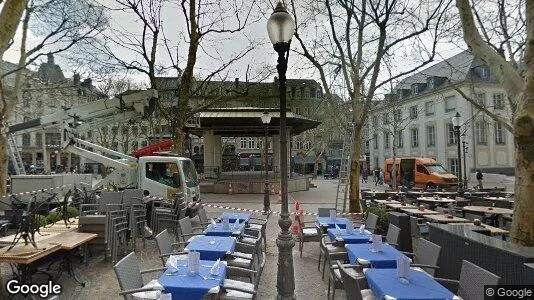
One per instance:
(209, 140)
(217, 150)
(289, 147)
(276, 153)
(46, 164)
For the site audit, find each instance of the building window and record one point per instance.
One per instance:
(39, 139)
(144, 129)
(115, 146)
(297, 93)
(114, 130)
(397, 115)
(386, 140)
(135, 145)
(498, 101)
(385, 119)
(415, 89)
(144, 143)
(243, 143)
(307, 145)
(453, 165)
(415, 137)
(484, 72)
(450, 104)
(431, 136)
(251, 143)
(375, 141)
(429, 108)
(499, 134)
(451, 135)
(25, 140)
(480, 99)
(53, 138)
(480, 133)
(413, 112)
(297, 110)
(375, 121)
(430, 83)
(399, 139)
(307, 93)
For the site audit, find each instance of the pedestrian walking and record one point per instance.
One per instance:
(479, 179)
(381, 178)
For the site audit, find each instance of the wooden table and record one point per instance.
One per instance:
(493, 230)
(39, 238)
(66, 241)
(398, 206)
(417, 212)
(435, 201)
(386, 201)
(441, 218)
(488, 210)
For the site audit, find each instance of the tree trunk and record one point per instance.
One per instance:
(354, 195)
(3, 163)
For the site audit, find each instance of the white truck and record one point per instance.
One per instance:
(159, 176)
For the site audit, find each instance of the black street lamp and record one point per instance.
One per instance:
(456, 124)
(464, 149)
(281, 28)
(266, 119)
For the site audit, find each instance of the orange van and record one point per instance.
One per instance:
(421, 172)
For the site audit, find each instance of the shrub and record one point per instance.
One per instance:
(383, 222)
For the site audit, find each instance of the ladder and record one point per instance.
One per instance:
(344, 169)
(14, 155)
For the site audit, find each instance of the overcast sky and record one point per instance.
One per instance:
(262, 57)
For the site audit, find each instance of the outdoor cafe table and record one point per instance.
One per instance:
(488, 210)
(417, 212)
(420, 285)
(232, 216)
(433, 200)
(445, 219)
(218, 229)
(396, 206)
(349, 238)
(181, 285)
(327, 222)
(492, 230)
(386, 201)
(211, 247)
(361, 253)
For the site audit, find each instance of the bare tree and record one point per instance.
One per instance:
(518, 81)
(353, 44)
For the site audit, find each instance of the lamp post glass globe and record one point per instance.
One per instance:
(266, 118)
(280, 25)
(456, 120)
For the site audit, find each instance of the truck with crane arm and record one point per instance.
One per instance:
(158, 176)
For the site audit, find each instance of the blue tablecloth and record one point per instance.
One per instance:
(420, 286)
(326, 221)
(219, 230)
(387, 258)
(353, 238)
(232, 216)
(184, 286)
(212, 247)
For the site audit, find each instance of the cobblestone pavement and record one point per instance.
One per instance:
(101, 282)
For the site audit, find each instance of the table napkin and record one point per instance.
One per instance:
(349, 227)
(165, 297)
(338, 230)
(333, 214)
(403, 267)
(213, 223)
(193, 262)
(226, 222)
(376, 243)
(362, 229)
(216, 267)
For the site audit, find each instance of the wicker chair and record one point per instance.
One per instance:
(426, 256)
(259, 224)
(235, 289)
(187, 231)
(393, 234)
(308, 234)
(417, 229)
(370, 222)
(351, 284)
(165, 246)
(130, 278)
(325, 211)
(472, 281)
(327, 246)
(203, 217)
(334, 280)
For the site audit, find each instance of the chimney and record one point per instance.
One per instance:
(236, 83)
(88, 82)
(76, 79)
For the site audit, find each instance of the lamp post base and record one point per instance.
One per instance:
(285, 243)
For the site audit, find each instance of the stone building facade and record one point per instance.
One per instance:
(416, 118)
